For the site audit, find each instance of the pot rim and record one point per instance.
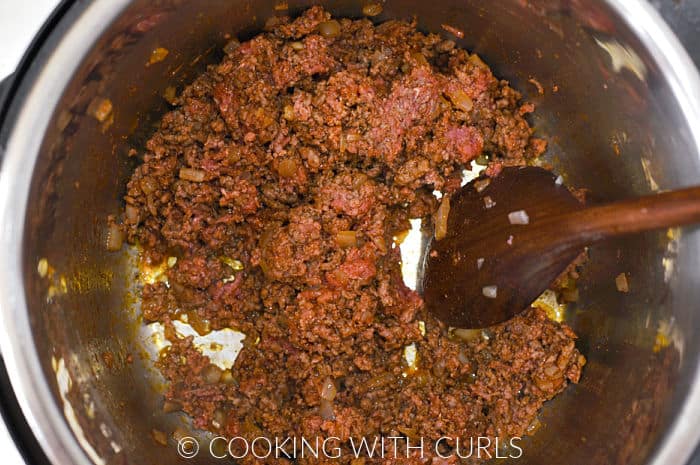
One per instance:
(48, 68)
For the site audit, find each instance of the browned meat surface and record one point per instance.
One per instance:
(301, 155)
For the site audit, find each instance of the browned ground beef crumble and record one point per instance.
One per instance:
(271, 157)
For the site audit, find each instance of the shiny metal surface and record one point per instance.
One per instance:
(623, 120)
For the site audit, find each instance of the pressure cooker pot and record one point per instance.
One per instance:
(618, 101)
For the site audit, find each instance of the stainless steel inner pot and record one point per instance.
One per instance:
(621, 112)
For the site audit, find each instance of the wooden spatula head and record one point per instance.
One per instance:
(486, 270)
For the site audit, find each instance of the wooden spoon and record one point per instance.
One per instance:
(486, 270)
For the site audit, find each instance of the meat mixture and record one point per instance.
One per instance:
(277, 190)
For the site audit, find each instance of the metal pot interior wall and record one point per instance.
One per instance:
(613, 126)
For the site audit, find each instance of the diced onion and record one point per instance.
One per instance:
(148, 185)
(115, 238)
(296, 45)
(467, 335)
(287, 168)
(211, 374)
(179, 434)
(170, 95)
(346, 239)
(329, 29)
(559, 181)
(170, 406)
(533, 426)
(479, 263)
(441, 216)
(476, 59)
(328, 391)
(420, 58)
(159, 437)
(621, 283)
(326, 410)
(372, 9)
(401, 236)
(132, 213)
(518, 217)
(219, 418)
(379, 381)
(190, 174)
(100, 108)
(43, 267)
(510, 240)
(490, 291)
(237, 265)
(288, 112)
(489, 203)
(227, 377)
(460, 99)
(158, 55)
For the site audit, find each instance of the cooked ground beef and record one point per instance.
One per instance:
(278, 181)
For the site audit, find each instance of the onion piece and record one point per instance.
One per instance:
(372, 9)
(100, 109)
(460, 99)
(621, 283)
(170, 95)
(219, 419)
(467, 335)
(328, 391)
(159, 437)
(346, 239)
(479, 263)
(191, 174)
(519, 217)
(227, 377)
(157, 55)
(287, 168)
(211, 374)
(43, 267)
(148, 185)
(326, 410)
(510, 240)
(115, 237)
(490, 291)
(288, 112)
(489, 203)
(329, 29)
(132, 213)
(476, 60)
(559, 181)
(441, 216)
(170, 406)
(236, 265)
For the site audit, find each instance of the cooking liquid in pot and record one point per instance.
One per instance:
(275, 196)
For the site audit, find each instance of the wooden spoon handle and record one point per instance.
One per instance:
(674, 208)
